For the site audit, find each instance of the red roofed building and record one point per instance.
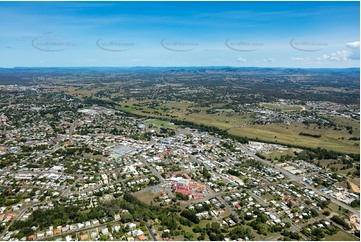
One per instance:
(196, 196)
(84, 237)
(196, 185)
(31, 237)
(174, 174)
(179, 186)
(67, 143)
(186, 176)
(142, 237)
(184, 191)
(10, 215)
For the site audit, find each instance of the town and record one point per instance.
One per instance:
(180, 120)
(81, 171)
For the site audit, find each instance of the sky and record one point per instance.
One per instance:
(121, 34)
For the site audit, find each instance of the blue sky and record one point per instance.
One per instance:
(264, 34)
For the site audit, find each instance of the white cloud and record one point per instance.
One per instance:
(355, 44)
(299, 59)
(269, 60)
(242, 60)
(340, 55)
(354, 54)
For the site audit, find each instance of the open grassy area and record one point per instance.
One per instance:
(267, 197)
(146, 197)
(335, 208)
(330, 163)
(346, 171)
(340, 236)
(336, 140)
(290, 135)
(161, 123)
(355, 124)
(84, 91)
(276, 154)
(282, 107)
(356, 180)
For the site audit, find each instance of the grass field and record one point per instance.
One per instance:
(336, 140)
(356, 180)
(282, 107)
(146, 197)
(340, 236)
(161, 123)
(290, 135)
(347, 122)
(325, 163)
(345, 172)
(276, 154)
(335, 208)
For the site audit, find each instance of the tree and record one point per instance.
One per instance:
(262, 218)
(201, 237)
(181, 196)
(314, 213)
(206, 173)
(355, 203)
(188, 235)
(326, 213)
(340, 221)
(215, 226)
(191, 216)
(239, 232)
(197, 229)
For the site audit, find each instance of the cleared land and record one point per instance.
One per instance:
(282, 107)
(276, 154)
(240, 125)
(354, 187)
(161, 123)
(146, 197)
(340, 236)
(336, 140)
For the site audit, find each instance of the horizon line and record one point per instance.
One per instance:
(275, 67)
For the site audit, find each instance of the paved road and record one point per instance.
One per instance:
(150, 231)
(89, 228)
(66, 192)
(274, 238)
(258, 199)
(14, 219)
(299, 179)
(71, 130)
(75, 231)
(19, 215)
(161, 179)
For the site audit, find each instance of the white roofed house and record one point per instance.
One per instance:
(105, 231)
(49, 232)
